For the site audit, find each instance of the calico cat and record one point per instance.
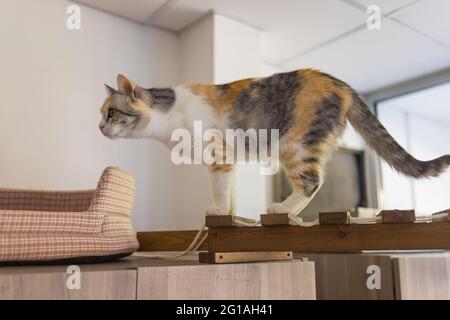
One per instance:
(309, 108)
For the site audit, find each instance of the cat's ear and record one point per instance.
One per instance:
(109, 90)
(126, 86)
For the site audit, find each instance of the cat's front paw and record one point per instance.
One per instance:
(277, 207)
(214, 211)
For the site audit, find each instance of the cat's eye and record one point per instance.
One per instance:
(111, 113)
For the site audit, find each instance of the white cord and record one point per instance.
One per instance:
(373, 220)
(247, 223)
(193, 247)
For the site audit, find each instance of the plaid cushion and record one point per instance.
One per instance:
(31, 200)
(45, 222)
(43, 226)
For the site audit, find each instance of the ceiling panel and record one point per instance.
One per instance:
(372, 59)
(291, 26)
(431, 17)
(327, 34)
(258, 13)
(138, 10)
(302, 25)
(181, 14)
(386, 6)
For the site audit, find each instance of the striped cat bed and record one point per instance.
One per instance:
(69, 227)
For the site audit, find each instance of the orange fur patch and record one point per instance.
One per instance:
(315, 87)
(221, 167)
(105, 107)
(221, 102)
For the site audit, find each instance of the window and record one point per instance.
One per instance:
(420, 122)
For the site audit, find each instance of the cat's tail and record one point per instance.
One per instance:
(379, 139)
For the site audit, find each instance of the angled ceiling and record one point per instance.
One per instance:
(329, 34)
(137, 10)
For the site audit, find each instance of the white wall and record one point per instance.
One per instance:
(237, 50)
(51, 91)
(197, 52)
(197, 64)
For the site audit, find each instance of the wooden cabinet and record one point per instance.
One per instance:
(248, 281)
(402, 275)
(144, 278)
(42, 285)
(345, 276)
(424, 277)
(323, 276)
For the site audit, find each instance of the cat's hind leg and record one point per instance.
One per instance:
(306, 177)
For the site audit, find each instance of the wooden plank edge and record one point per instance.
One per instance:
(168, 240)
(441, 216)
(334, 218)
(398, 216)
(279, 219)
(336, 239)
(241, 257)
(226, 221)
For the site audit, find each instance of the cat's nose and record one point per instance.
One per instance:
(101, 126)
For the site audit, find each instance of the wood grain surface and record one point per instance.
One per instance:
(339, 238)
(275, 219)
(398, 216)
(344, 276)
(249, 281)
(333, 218)
(238, 257)
(167, 240)
(424, 278)
(98, 285)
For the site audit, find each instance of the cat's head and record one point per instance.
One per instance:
(126, 111)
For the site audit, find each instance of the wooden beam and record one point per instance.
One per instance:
(441, 216)
(219, 221)
(275, 219)
(167, 240)
(333, 218)
(398, 216)
(225, 220)
(339, 238)
(236, 257)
